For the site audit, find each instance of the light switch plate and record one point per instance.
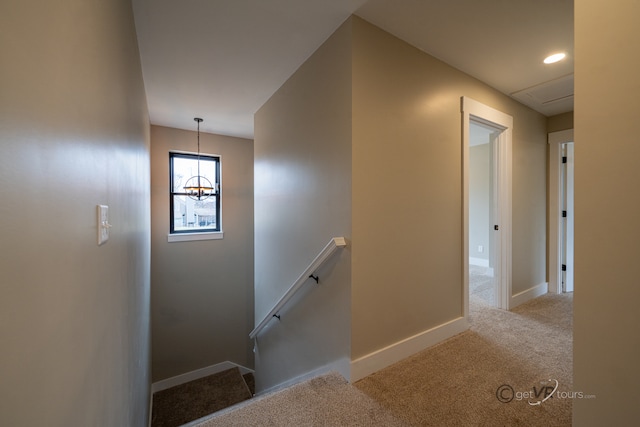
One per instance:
(103, 224)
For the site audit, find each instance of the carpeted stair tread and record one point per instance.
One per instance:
(187, 402)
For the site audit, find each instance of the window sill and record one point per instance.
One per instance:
(189, 237)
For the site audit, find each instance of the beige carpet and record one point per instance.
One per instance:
(456, 382)
(323, 401)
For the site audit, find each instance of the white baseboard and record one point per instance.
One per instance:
(480, 262)
(194, 375)
(529, 294)
(373, 362)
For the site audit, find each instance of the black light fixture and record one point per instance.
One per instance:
(198, 187)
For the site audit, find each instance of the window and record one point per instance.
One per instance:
(187, 213)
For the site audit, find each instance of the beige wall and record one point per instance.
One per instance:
(74, 133)
(407, 197)
(607, 204)
(303, 199)
(560, 122)
(202, 291)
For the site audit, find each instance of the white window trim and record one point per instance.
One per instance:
(189, 237)
(211, 235)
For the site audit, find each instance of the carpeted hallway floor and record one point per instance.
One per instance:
(505, 355)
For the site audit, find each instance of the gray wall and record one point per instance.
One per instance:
(202, 291)
(607, 204)
(303, 199)
(407, 189)
(74, 132)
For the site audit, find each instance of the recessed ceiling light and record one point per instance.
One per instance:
(554, 58)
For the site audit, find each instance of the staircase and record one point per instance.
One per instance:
(187, 402)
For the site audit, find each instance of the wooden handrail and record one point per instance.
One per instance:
(335, 243)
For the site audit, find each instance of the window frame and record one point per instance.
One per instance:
(196, 233)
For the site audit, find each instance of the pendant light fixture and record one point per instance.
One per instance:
(198, 187)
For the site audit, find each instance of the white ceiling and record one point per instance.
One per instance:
(222, 59)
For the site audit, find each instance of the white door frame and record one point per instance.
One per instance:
(476, 111)
(556, 139)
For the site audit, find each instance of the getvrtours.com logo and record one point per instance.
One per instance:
(539, 393)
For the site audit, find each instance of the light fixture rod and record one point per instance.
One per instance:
(198, 187)
(199, 120)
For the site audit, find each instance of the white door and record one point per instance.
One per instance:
(557, 140)
(567, 217)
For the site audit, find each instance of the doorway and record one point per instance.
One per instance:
(482, 209)
(561, 212)
(497, 127)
